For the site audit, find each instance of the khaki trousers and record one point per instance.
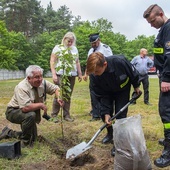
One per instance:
(66, 107)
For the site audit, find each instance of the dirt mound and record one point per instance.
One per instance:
(95, 158)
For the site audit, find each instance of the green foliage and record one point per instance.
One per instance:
(23, 16)
(134, 46)
(116, 41)
(64, 17)
(57, 20)
(31, 32)
(82, 32)
(43, 45)
(102, 25)
(8, 48)
(16, 51)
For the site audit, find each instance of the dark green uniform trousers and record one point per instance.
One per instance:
(27, 122)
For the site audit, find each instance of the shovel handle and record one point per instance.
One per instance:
(135, 96)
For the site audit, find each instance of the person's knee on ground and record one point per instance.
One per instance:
(29, 129)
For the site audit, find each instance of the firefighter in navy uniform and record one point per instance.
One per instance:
(111, 79)
(156, 17)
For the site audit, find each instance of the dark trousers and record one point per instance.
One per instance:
(115, 101)
(164, 112)
(67, 99)
(145, 82)
(95, 101)
(27, 122)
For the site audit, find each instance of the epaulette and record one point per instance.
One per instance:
(104, 45)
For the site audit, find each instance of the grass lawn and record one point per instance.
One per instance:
(49, 153)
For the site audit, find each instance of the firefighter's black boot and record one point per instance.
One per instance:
(164, 159)
(109, 137)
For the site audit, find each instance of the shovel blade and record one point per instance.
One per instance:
(77, 150)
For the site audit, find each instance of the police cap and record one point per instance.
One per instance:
(93, 37)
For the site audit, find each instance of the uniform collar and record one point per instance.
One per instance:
(167, 22)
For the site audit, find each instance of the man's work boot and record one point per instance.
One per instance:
(164, 159)
(109, 137)
(5, 133)
(68, 118)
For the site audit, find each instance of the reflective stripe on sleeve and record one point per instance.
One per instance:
(166, 125)
(158, 50)
(124, 84)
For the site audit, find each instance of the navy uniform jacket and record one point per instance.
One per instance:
(162, 52)
(116, 79)
(118, 75)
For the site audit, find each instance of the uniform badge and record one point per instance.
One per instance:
(167, 45)
(156, 40)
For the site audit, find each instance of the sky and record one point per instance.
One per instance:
(126, 16)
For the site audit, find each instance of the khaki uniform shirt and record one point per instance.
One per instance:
(24, 93)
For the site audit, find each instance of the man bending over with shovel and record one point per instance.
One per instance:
(112, 78)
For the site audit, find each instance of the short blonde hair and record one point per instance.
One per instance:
(143, 49)
(70, 35)
(95, 59)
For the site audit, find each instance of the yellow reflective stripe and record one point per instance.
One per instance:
(158, 50)
(124, 84)
(166, 125)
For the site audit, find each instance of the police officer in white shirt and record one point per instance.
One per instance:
(98, 46)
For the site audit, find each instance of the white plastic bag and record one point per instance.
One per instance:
(131, 152)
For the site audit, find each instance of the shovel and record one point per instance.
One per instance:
(82, 147)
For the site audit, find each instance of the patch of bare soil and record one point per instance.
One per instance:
(95, 158)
